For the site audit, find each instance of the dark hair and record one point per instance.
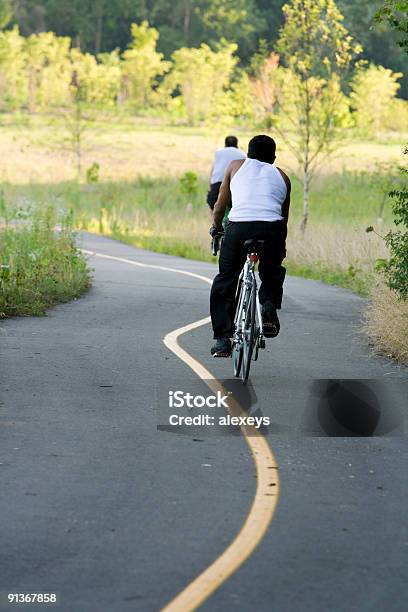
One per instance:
(262, 148)
(231, 141)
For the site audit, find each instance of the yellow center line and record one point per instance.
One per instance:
(267, 489)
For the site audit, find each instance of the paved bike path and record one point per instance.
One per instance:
(111, 514)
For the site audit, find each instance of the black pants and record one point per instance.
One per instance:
(212, 195)
(232, 259)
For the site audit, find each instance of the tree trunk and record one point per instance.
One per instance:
(306, 187)
(32, 91)
(78, 140)
(306, 165)
(382, 207)
(99, 27)
(187, 19)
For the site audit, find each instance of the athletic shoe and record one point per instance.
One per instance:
(222, 348)
(270, 320)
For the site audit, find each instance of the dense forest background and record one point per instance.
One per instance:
(104, 25)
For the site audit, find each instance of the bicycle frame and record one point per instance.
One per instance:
(247, 285)
(248, 280)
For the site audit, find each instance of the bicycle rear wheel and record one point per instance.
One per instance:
(249, 335)
(237, 342)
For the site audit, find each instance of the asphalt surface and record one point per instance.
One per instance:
(111, 514)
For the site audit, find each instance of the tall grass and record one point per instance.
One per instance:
(386, 322)
(153, 213)
(38, 266)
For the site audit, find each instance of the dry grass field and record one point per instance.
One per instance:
(35, 150)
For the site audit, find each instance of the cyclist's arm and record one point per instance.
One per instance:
(224, 197)
(286, 204)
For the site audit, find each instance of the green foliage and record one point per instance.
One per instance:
(5, 12)
(395, 12)
(92, 173)
(38, 267)
(318, 52)
(396, 269)
(104, 25)
(313, 40)
(142, 66)
(377, 40)
(99, 81)
(373, 90)
(47, 68)
(189, 184)
(13, 78)
(303, 99)
(241, 104)
(397, 118)
(234, 20)
(202, 77)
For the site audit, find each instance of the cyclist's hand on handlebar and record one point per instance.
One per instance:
(216, 231)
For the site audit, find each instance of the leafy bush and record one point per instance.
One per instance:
(189, 184)
(92, 173)
(38, 265)
(396, 269)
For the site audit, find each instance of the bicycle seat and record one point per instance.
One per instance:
(254, 246)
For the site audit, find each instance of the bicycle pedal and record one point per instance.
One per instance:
(261, 343)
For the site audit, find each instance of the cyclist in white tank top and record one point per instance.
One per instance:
(258, 192)
(260, 196)
(222, 159)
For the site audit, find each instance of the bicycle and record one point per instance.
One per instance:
(248, 338)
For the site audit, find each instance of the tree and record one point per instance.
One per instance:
(241, 98)
(373, 90)
(13, 76)
(98, 78)
(143, 65)
(318, 51)
(237, 21)
(104, 25)
(397, 241)
(5, 13)
(48, 70)
(395, 12)
(378, 42)
(75, 120)
(265, 81)
(201, 76)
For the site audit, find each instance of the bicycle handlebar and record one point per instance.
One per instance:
(215, 243)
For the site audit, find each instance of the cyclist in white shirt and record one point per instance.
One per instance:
(260, 195)
(222, 159)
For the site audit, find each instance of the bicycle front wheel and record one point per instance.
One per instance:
(249, 336)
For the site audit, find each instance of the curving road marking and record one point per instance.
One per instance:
(267, 490)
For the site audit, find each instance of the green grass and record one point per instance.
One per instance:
(153, 213)
(350, 278)
(39, 266)
(343, 198)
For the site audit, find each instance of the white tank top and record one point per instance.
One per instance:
(222, 159)
(258, 191)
